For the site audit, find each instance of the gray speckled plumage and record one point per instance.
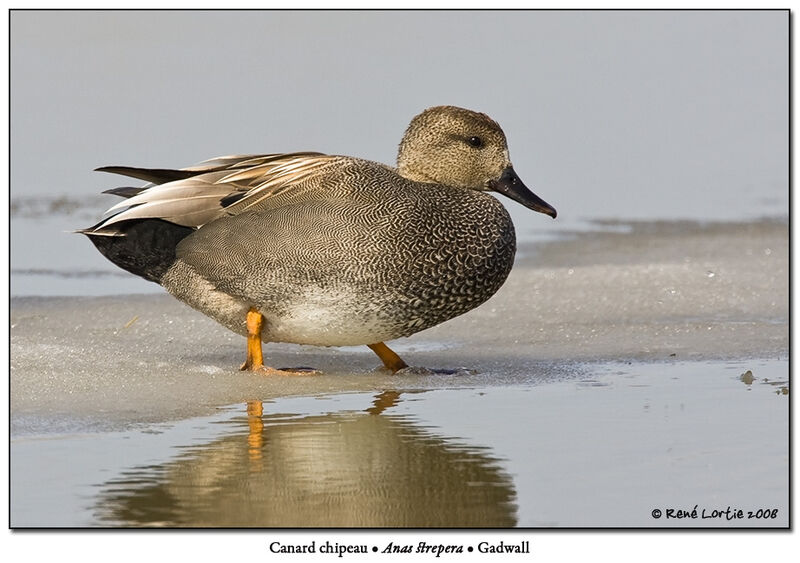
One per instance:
(336, 250)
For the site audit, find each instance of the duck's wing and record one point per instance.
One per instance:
(232, 162)
(199, 194)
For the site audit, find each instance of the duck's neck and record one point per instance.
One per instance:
(407, 170)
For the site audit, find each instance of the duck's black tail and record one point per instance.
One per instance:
(145, 247)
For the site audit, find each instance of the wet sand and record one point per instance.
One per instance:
(645, 319)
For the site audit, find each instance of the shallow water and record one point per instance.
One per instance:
(605, 447)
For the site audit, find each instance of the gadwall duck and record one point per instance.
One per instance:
(309, 248)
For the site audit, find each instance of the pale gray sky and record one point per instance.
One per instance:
(607, 113)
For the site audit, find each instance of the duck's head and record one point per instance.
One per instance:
(462, 148)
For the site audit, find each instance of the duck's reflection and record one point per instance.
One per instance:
(347, 469)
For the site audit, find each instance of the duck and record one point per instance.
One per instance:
(316, 249)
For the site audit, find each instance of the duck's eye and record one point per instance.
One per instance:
(476, 142)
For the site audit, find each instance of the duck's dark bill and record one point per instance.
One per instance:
(511, 186)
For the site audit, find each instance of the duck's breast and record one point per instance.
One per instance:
(463, 249)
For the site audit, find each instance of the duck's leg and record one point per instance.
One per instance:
(255, 356)
(391, 360)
